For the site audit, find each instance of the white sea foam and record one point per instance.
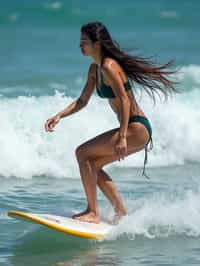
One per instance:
(27, 150)
(190, 75)
(162, 215)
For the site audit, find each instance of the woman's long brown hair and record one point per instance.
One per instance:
(151, 77)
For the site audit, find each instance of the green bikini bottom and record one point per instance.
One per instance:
(143, 120)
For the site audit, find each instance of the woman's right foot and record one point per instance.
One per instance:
(89, 217)
(80, 214)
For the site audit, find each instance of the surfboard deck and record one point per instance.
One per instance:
(65, 225)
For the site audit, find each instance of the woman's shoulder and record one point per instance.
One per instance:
(111, 66)
(109, 62)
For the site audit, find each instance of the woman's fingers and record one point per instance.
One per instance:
(117, 152)
(49, 125)
(120, 153)
(46, 125)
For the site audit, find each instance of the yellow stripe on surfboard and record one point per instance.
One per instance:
(54, 226)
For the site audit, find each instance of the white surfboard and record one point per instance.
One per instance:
(66, 224)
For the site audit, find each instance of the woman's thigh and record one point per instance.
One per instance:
(102, 147)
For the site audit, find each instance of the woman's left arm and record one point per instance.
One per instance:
(117, 85)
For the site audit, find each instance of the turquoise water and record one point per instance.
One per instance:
(162, 227)
(42, 71)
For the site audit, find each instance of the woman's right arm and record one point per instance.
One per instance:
(79, 103)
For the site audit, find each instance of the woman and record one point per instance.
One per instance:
(111, 72)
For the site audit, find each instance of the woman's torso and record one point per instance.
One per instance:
(115, 102)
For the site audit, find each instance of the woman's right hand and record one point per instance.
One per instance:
(51, 122)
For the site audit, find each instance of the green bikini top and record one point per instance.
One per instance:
(106, 91)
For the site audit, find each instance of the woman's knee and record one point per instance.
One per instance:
(98, 165)
(84, 153)
(83, 156)
(81, 153)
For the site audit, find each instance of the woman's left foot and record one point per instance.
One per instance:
(90, 217)
(118, 216)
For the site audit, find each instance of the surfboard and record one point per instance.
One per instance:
(66, 225)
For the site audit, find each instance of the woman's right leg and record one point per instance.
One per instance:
(109, 189)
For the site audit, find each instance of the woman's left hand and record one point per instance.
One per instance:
(121, 147)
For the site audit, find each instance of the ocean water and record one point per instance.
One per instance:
(42, 70)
